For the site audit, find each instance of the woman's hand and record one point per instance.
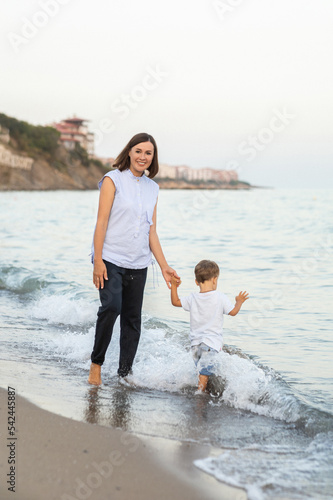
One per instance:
(168, 272)
(99, 274)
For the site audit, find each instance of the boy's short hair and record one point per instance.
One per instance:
(206, 270)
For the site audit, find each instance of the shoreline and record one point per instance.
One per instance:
(181, 184)
(185, 186)
(63, 459)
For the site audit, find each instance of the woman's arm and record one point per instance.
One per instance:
(156, 248)
(106, 198)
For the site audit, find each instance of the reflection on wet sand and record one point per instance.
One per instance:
(105, 409)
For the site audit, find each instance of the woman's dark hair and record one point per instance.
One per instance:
(122, 162)
(206, 270)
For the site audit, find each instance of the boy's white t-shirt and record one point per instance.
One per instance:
(206, 317)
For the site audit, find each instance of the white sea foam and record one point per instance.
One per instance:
(163, 363)
(64, 309)
(268, 471)
(74, 347)
(160, 363)
(251, 387)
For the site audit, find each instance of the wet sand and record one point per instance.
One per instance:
(63, 459)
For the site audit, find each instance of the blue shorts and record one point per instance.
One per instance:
(204, 358)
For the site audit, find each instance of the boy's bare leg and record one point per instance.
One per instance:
(95, 374)
(203, 381)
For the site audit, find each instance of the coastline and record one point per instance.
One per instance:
(181, 184)
(62, 459)
(91, 185)
(44, 158)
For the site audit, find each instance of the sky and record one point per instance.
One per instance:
(229, 84)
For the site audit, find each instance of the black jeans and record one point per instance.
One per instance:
(122, 294)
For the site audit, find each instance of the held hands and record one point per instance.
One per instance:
(175, 281)
(99, 274)
(168, 274)
(241, 297)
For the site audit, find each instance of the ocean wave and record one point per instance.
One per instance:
(164, 363)
(274, 471)
(20, 280)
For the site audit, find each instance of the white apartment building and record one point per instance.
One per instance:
(196, 174)
(75, 130)
(167, 171)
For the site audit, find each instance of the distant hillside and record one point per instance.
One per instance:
(31, 158)
(51, 166)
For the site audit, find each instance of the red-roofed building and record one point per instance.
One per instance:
(75, 131)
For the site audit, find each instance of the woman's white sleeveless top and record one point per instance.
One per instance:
(126, 241)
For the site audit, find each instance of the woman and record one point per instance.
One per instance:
(125, 236)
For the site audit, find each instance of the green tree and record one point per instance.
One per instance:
(30, 138)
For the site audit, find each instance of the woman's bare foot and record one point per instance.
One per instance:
(95, 374)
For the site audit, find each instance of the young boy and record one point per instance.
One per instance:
(206, 316)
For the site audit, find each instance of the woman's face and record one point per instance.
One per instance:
(141, 157)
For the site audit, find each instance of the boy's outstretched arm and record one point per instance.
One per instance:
(241, 297)
(175, 300)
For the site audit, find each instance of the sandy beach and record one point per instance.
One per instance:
(57, 458)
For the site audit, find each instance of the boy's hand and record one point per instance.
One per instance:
(241, 297)
(175, 281)
(168, 272)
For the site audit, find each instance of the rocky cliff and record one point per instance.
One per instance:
(67, 173)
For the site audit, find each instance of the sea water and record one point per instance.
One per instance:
(270, 411)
